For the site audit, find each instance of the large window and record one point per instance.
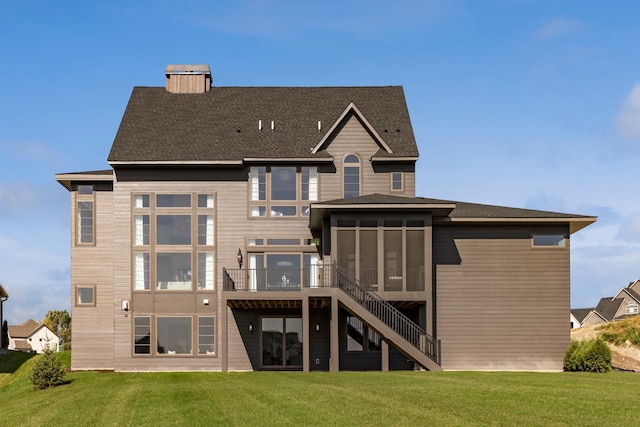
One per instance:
(281, 341)
(173, 241)
(351, 176)
(282, 191)
(174, 335)
(85, 226)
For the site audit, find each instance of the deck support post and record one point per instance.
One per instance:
(305, 334)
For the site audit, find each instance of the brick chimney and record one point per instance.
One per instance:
(188, 78)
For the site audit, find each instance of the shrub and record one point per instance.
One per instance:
(588, 356)
(48, 371)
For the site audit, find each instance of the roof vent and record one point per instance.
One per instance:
(188, 78)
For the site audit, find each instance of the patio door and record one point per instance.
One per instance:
(281, 344)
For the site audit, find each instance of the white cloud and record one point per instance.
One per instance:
(17, 197)
(628, 120)
(630, 228)
(558, 28)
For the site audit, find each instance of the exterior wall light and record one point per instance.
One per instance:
(239, 257)
(250, 327)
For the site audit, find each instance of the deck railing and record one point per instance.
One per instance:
(318, 276)
(388, 314)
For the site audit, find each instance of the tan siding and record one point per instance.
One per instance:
(92, 328)
(501, 304)
(353, 139)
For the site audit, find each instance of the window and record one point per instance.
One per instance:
(141, 230)
(631, 308)
(174, 335)
(205, 270)
(281, 341)
(173, 229)
(278, 191)
(142, 335)
(85, 295)
(173, 200)
(282, 271)
(206, 335)
(84, 215)
(351, 176)
(548, 240)
(383, 254)
(141, 280)
(397, 183)
(173, 242)
(360, 337)
(173, 270)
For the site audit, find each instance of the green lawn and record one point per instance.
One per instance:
(344, 398)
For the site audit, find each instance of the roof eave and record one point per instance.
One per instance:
(65, 179)
(575, 223)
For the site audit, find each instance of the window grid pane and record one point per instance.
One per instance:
(206, 335)
(85, 222)
(142, 335)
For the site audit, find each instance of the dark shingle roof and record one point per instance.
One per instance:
(580, 313)
(607, 307)
(223, 124)
(461, 210)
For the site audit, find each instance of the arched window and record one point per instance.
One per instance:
(351, 176)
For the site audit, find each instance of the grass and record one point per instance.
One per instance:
(621, 331)
(343, 398)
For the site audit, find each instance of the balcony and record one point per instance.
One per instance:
(319, 276)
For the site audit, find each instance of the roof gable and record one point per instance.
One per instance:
(25, 329)
(346, 114)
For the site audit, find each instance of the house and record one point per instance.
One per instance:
(624, 304)
(277, 228)
(578, 315)
(32, 336)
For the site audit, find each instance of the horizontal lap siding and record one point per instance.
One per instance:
(354, 139)
(92, 327)
(501, 304)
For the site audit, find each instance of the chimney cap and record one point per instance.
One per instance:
(188, 69)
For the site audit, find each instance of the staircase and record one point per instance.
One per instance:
(388, 321)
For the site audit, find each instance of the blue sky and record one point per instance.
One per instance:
(523, 103)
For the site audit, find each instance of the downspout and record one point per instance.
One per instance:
(3, 297)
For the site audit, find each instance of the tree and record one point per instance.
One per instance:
(48, 371)
(4, 336)
(60, 323)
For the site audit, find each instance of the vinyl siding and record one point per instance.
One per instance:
(501, 304)
(92, 332)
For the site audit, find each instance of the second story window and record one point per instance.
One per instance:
(85, 215)
(282, 191)
(351, 176)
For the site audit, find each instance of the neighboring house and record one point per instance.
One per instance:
(275, 228)
(578, 315)
(624, 304)
(32, 336)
